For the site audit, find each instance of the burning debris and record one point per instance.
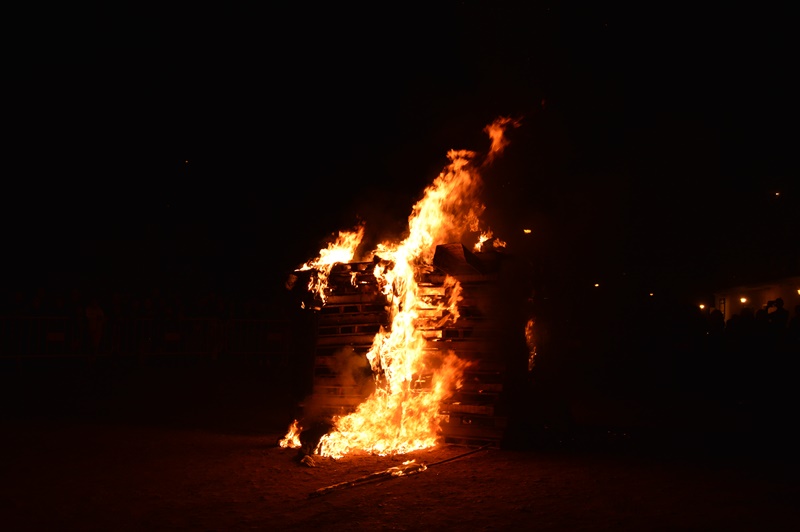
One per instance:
(403, 346)
(409, 467)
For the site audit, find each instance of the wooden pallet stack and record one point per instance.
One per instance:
(477, 414)
(355, 310)
(352, 314)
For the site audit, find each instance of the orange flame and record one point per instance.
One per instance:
(341, 250)
(403, 413)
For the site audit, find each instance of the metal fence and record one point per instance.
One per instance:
(42, 337)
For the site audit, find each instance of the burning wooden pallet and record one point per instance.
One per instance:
(346, 328)
(476, 414)
(347, 320)
(354, 311)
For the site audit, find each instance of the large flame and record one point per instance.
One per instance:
(403, 413)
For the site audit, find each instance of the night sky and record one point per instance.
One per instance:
(219, 147)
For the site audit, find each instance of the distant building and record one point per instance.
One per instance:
(732, 300)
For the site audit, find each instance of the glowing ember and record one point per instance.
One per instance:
(403, 413)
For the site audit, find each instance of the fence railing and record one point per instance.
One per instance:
(41, 337)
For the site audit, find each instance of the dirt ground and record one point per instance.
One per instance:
(198, 451)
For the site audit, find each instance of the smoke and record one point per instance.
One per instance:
(354, 370)
(353, 373)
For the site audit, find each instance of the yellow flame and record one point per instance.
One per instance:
(395, 420)
(292, 438)
(482, 240)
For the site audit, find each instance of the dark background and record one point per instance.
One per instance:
(207, 146)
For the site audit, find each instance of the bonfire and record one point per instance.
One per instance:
(400, 415)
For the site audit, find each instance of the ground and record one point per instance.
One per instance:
(178, 449)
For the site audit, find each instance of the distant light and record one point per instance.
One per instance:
(651, 294)
(777, 193)
(596, 285)
(702, 306)
(186, 162)
(798, 291)
(743, 299)
(526, 231)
